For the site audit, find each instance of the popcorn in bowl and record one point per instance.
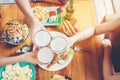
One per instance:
(16, 72)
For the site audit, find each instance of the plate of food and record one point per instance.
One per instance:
(15, 32)
(48, 15)
(18, 71)
(57, 61)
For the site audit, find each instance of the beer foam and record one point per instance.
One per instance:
(45, 55)
(42, 38)
(58, 44)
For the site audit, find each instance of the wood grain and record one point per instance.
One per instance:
(84, 66)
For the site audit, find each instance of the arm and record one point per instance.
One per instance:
(10, 60)
(107, 65)
(33, 22)
(26, 57)
(25, 7)
(110, 26)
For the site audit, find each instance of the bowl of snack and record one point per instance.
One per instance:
(15, 32)
(18, 71)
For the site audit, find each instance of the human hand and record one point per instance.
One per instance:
(34, 26)
(82, 35)
(106, 43)
(31, 56)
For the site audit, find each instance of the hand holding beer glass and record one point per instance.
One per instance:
(51, 45)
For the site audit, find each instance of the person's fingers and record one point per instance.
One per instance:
(34, 54)
(38, 62)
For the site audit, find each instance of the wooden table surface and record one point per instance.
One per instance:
(84, 66)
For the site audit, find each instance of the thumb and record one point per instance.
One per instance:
(34, 54)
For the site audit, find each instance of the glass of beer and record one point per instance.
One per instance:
(58, 44)
(42, 38)
(45, 55)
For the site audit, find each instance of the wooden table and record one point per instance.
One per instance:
(83, 66)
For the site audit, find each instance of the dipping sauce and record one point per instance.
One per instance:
(42, 38)
(58, 44)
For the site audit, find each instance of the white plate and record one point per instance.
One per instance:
(57, 66)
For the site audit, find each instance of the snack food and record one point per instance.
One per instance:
(16, 72)
(15, 32)
(58, 77)
(40, 12)
(70, 27)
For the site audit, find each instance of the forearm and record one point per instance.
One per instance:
(10, 60)
(109, 26)
(82, 35)
(25, 7)
(107, 65)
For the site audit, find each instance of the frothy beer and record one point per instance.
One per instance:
(45, 55)
(58, 44)
(42, 38)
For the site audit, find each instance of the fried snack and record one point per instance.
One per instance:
(73, 22)
(70, 27)
(40, 12)
(66, 29)
(55, 60)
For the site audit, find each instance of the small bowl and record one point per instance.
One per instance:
(26, 48)
(15, 32)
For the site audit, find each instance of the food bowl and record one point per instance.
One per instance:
(15, 32)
